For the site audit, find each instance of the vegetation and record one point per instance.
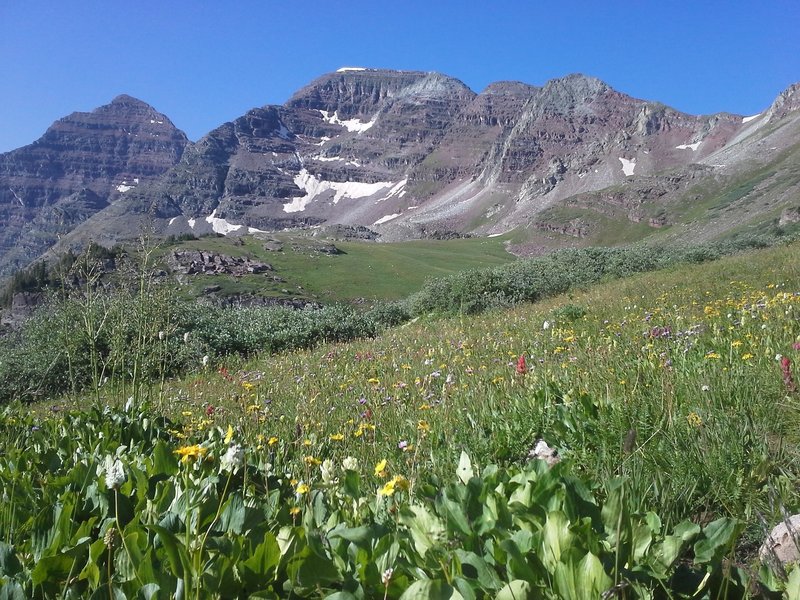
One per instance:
(398, 464)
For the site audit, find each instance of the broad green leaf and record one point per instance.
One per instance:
(586, 580)
(555, 537)
(149, 592)
(793, 585)
(261, 567)
(426, 529)
(232, 517)
(515, 590)
(718, 538)
(475, 568)
(9, 563)
(430, 589)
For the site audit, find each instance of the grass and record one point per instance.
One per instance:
(363, 270)
(667, 383)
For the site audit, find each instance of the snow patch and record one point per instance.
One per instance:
(313, 187)
(748, 119)
(153, 122)
(282, 133)
(494, 235)
(135, 180)
(628, 165)
(387, 218)
(345, 69)
(694, 146)
(219, 225)
(397, 189)
(322, 140)
(172, 220)
(125, 186)
(355, 125)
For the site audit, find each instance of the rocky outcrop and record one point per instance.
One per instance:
(195, 262)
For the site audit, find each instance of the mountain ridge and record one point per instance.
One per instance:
(402, 152)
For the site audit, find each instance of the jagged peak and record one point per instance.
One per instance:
(125, 99)
(509, 88)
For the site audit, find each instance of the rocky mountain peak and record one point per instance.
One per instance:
(787, 101)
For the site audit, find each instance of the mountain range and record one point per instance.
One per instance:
(409, 155)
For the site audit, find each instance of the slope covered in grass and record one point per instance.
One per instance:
(400, 463)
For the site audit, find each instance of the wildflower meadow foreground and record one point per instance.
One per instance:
(410, 466)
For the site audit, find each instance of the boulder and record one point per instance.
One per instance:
(783, 542)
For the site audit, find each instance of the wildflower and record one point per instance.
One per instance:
(302, 488)
(694, 419)
(327, 471)
(206, 359)
(115, 473)
(229, 435)
(402, 445)
(398, 482)
(380, 469)
(233, 459)
(705, 388)
(786, 368)
(546, 325)
(747, 356)
(713, 355)
(311, 461)
(210, 410)
(186, 337)
(423, 426)
(337, 437)
(796, 346)
(272, 441)
(387, 576)
(350, 464)
(294, 511)
(162, 336)
(187, 453)
(522, 368)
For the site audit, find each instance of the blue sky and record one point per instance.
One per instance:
(204, 63)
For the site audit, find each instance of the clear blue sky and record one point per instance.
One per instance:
(203, 63)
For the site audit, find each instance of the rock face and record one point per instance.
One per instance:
(81, 165)
(398, 154)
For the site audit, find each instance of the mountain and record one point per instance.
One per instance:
(409, 154)
(80, 166)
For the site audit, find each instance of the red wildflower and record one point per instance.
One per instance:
(788, 380)
(225, 375)
(796, 346)
(210, 410)
(522, 368)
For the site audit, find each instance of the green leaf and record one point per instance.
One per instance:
(9, 563)
(464, 470)
(232, 517)
(363, 537)
(515, 590)
(718, 538)
(52, 569)
(260, 569)
(431, 589)
(11, 590)
(555, 537)
(475, 568)
(586, 580)
(149, 591)
(426, 529)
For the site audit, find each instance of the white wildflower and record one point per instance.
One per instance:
(546, 325)
(350, 464)
(186, 337)
(233, 458)
(327, 469)
(115, 473)
(206, 358)
(705, 388)
(387, 576)
(162, 336)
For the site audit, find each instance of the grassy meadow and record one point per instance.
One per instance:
(399, 466)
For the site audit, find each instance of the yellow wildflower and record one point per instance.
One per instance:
(380, 469)
(272, 441)
(302, 488)
(398, 482)
(337, 437)
(188, 453)
(229, 435)
(423, 426)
